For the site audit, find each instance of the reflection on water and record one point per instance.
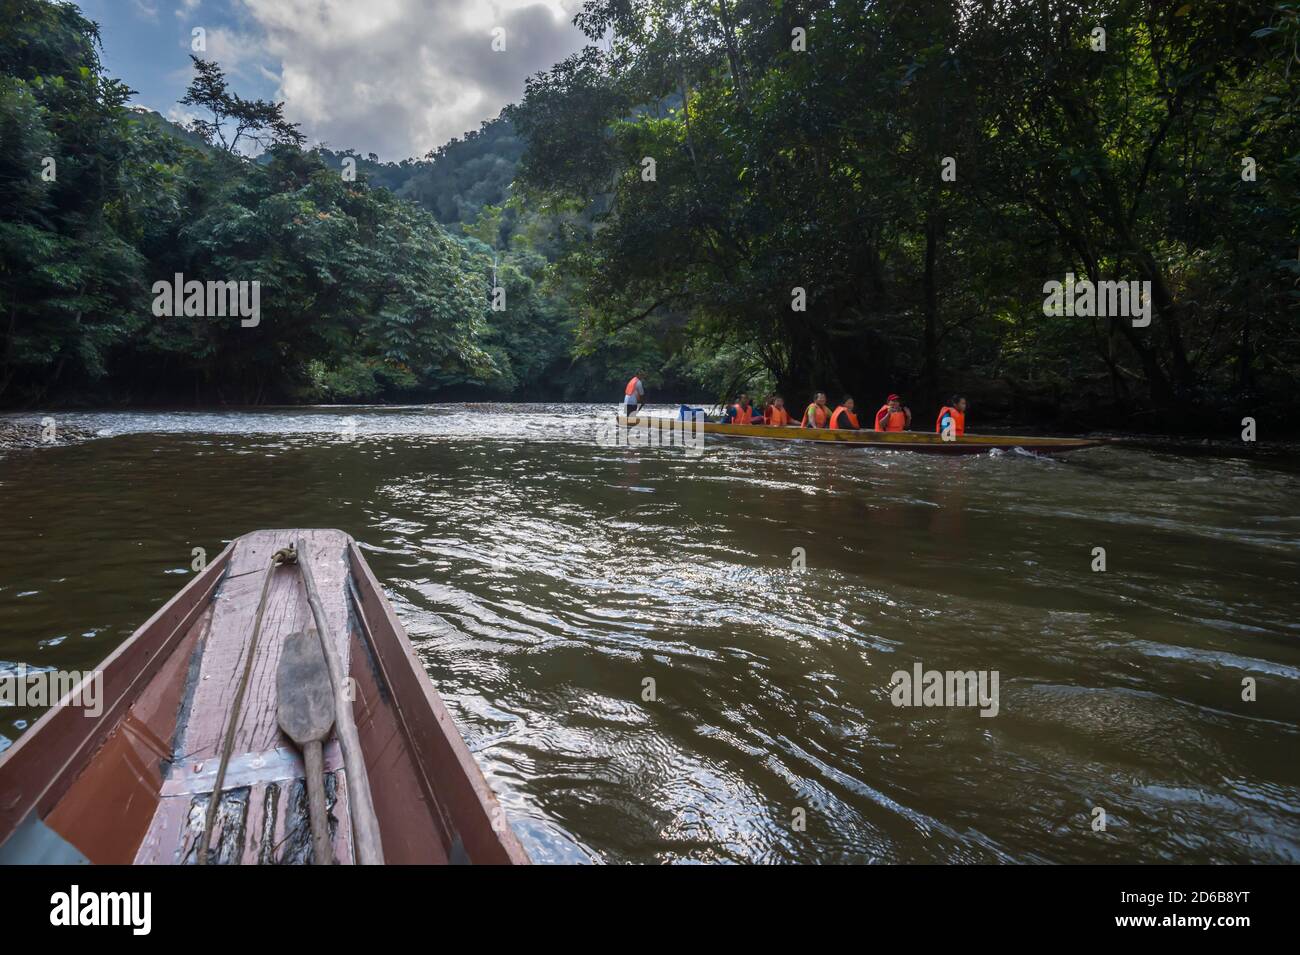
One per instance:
(544, 579)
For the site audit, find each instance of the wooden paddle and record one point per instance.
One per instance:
(305, 709)
(366, 839)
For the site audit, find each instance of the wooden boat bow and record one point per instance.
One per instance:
(133, 784)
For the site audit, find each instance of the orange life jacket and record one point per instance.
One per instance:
(887, 420)
(820, 416)
(958, 420)
(741, 415)
(841, 410)
(778, 416)
(631, 387)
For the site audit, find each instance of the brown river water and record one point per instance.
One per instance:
(544, 578)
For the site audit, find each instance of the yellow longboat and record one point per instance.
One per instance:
(923, 441)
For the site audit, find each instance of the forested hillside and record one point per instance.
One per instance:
(360, 293)
(540, 346)
(363, 295)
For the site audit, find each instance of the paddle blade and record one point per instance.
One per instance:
(304, 696)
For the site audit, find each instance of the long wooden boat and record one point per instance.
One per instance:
(889, 440)
(132, 785)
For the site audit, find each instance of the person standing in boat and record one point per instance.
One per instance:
(952, 414)
(843, 418)
(634, 395)
(816, 415)
(893, 415)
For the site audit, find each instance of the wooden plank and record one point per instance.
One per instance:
(231, 631)
(266, 840)
(257, 732)
(412, 830)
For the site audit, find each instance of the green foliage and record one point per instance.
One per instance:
(778, 169)
(536, 343)
(455, 181)
(232, 118)
(774, 170)
(361, 294)
(67, 279)
(356, 287)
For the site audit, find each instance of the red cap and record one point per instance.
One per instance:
(893, 398)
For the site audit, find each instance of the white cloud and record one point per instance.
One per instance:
(146, 8)
(235, 50)
(187, 7)
(181, 115)
(397, 77)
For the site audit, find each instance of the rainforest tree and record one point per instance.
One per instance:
(872, 197)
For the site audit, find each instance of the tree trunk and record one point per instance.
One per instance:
(733, 50)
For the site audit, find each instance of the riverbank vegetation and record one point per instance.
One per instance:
(920, 171)
(363, 295)
(732, 194)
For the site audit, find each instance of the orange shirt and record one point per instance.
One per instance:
(778, 416)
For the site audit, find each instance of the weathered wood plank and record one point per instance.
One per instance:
(231, 633)
(257, 730)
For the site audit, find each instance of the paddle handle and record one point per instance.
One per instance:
(320, 825)
(365, 824)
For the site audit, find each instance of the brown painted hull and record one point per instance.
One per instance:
(131, 785)
(922, 441)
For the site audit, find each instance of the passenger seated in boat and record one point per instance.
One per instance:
(776, 414)
(893, 415)
(816, 415)
(955, 412)
(742, 412)
(843, 418)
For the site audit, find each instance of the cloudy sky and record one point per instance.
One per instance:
(394, 77)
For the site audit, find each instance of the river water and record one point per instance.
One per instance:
(770, 592)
